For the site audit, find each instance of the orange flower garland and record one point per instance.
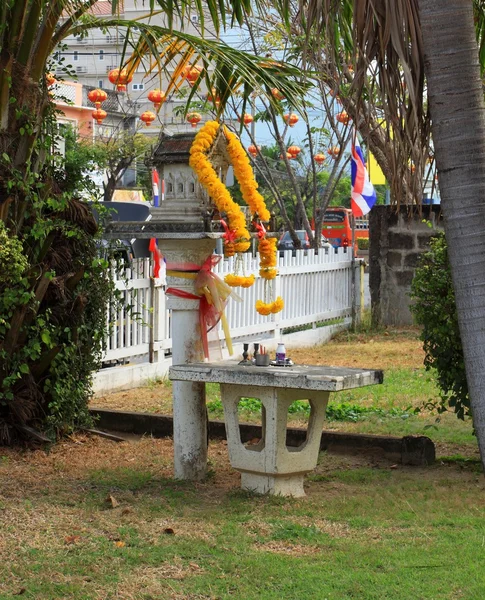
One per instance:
(236, 221)
(267, 258)
(267, 270)
(245, 176)
(239, 280)
(266, 308)
(215, 188)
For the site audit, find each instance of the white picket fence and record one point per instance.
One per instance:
(315, 289)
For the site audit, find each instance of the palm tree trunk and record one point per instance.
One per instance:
(458, 124)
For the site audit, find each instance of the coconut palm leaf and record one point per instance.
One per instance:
(170, 51)
(381, 41)
(479, 16)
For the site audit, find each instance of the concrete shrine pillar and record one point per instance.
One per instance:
(184, 220)
(189, 410)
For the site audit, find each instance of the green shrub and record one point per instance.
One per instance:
(363, 243)
(434, 308)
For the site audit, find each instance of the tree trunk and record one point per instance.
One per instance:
(458, 125)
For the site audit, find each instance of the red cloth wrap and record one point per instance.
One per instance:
(213, 294)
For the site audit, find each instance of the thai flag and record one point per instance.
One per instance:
(156, 187)
(363, 192)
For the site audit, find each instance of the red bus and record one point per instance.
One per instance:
(337, 228)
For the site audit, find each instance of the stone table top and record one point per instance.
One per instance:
(303, 377)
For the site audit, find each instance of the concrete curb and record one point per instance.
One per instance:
(408, 450)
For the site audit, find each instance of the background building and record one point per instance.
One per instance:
(92, 57)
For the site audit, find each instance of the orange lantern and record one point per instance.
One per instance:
(120, 78)
(212, 96)
(191, 74)
(253, 150)
(334, 152)
(148, 117)
(294, 151)
(157, 97)
(50, 79)
(97, 96)
(277, 95)
(291, 120)
(194, 118)
(320, 158)
(335, 95)
(99, 115)
(343, 117)
(246, 119)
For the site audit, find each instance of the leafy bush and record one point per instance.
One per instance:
(434, 308)
(363, 243)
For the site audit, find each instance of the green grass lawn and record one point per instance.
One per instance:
(94, 520)
(364, 531)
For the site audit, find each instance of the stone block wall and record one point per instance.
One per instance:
(397, 238)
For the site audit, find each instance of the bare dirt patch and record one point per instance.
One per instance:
(288, 548)
(388, 349)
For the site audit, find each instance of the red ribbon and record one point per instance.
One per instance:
(157, 257)
(211, 301)
(229, 235)
(260, 229)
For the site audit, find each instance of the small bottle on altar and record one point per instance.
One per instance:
(281, 354)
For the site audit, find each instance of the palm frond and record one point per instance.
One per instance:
(375, 50)
(231, 69)
(479, 17)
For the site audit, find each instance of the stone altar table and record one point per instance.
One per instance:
(271, 466)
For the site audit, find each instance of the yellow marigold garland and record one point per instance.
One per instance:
(266, 308)
(239, 280)
(245, 176)
(236, 220)
(267, 258)
(215, 188)
(267, 270)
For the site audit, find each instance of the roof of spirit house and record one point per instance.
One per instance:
(173, 149)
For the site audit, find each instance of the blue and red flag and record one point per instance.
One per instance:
(363, 192)
(156, 187)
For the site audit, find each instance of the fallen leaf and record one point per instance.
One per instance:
(72, 539)
(111, 500)
(126, 511)
(20, 592)
(120, 544)
(169, 531)
(393, 466)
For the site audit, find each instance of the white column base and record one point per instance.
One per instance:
(275, 485)
(270, 467)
